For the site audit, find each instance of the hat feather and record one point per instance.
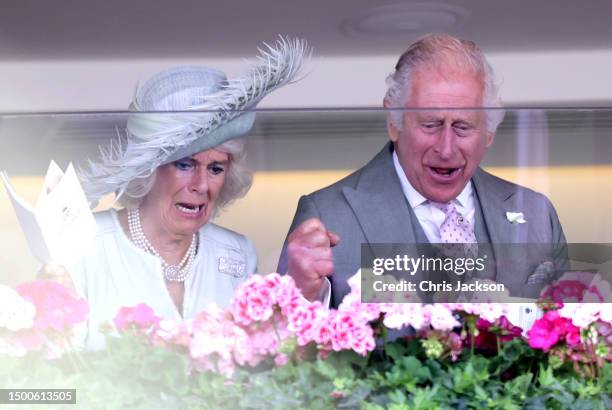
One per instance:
(138, 154)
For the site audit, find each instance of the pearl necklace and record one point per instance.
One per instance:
(173, 273)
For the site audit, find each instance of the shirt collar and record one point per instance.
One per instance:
(464, 199)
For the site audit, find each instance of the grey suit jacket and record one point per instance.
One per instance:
(369, 206)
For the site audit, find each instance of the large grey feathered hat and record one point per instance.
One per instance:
(207, 109)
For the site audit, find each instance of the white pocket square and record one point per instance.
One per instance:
(516, 217)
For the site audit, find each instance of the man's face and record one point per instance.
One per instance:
(440, 149)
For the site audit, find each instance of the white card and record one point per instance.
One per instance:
(61, 227)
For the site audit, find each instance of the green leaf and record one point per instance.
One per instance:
(398, 396)
(425, 398)
(480, 393)
(326, 369)
(395, 351)
(546, 377)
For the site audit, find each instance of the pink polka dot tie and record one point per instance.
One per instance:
(456, 229)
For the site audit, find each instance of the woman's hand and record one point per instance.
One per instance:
(56, 273)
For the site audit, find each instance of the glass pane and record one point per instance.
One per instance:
(565, 154)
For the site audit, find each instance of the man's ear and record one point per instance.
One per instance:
(391, 129)
(490, 137)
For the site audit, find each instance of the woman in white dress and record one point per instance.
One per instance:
(173, 174)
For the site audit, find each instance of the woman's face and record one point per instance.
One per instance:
(183, 196)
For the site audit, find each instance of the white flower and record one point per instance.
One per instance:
(15, 312)
(605, 314)
(581, 314)
(516, 217)
(398, 315)
(167, 329)
(441, 317)
(206, 343)
(9, 348)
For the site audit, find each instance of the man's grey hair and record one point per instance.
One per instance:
(237, 183)
(433, 51)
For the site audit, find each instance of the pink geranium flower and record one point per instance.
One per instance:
(543, 335)
(281, 359)
(254, 301)
(140, 316)
(56, 307)
(303, 321)
(547, 331)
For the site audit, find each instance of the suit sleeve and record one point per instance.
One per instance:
(306, 209)
(558, 242)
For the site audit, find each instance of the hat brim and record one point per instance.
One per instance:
(237, 128)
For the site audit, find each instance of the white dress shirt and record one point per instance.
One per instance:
(429, 216)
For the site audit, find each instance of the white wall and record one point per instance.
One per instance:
(527, 78)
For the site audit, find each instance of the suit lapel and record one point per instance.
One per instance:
(379, 203)
(496, 198)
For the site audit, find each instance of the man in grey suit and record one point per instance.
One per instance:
(430, 164)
